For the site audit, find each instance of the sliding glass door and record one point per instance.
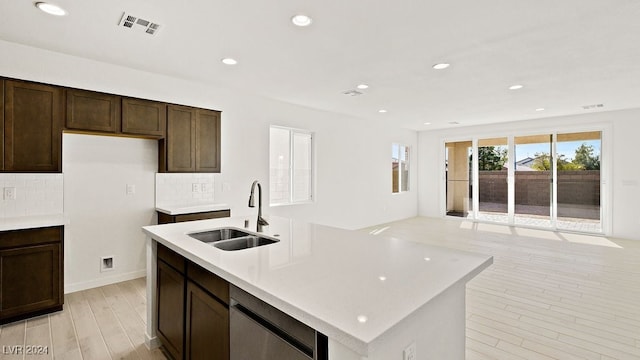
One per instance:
(548, 180)
(458, 158)
(533, 170)
(579, 181)
(493, 184)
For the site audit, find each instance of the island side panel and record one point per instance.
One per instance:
(151, 338)
(437, 328)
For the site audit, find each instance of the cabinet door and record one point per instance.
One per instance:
(32, 127)
(92, 111)
(170, 296)
(207, 141)
(207, 330)
(181, 144)
(30, 280)
(143, 117)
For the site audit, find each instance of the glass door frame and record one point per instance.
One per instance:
(605, 175)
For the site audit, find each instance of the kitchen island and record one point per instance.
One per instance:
(372, 297)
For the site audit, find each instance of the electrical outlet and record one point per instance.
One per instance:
(195, 188)
(207, 187)
(9, 193)
(409, 352)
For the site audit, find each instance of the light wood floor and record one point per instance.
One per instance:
(102, 323)
(547, 296)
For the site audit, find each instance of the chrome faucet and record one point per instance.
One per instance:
(252, 203)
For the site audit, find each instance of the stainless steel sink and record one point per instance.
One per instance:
(244, 242)
(230, 239)
(218, 235)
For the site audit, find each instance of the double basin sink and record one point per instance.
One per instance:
(231, 239)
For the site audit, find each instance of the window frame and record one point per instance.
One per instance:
(312, 180)
(606, 158)
(407, 162)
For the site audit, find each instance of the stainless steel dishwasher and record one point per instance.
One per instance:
(261, 332)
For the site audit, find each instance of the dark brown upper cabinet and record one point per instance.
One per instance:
(32, 127)
(144, 117)
(193, 140)
(92, 111)
(181, 138)
(207, 141)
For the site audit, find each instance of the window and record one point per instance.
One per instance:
(399, 168)
(290, 166)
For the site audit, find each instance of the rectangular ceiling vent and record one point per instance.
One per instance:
(139, 25)
(592, 107)
(352, 93)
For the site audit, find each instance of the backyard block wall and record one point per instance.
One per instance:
(580, 187)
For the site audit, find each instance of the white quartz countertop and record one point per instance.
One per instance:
(349, 285)
(190, 209)
(28, 222)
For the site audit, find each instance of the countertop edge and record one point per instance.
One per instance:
(191, 209)
(32, 222)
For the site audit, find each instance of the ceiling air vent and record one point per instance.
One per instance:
(139, 25)
(592, 107)
(352, 93)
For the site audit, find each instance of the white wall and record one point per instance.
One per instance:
(620, 138)
(103, 219)
(353, 187)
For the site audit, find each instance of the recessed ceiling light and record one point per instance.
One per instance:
(51, 9)
(301, 20)
(229, 61)
(427, 123)
(382, 111)
(516, 87)
(441, 66)
(540, 109)
(362, 319)
(363, 86)
(427, 259)
(382, 278)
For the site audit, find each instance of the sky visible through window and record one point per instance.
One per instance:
(566, 148)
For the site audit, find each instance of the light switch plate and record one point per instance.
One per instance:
(131, 189)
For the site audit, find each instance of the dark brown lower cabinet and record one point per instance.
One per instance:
(31, 279)
(207, 332)
(170, 299)
(193, 309)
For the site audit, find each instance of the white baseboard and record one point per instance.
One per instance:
(69, 288)
(151, 342)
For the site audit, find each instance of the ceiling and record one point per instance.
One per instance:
(567, 54)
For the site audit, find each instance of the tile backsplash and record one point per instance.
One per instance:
(35, 194)
(184, 189)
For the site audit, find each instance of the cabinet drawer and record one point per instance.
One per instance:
(210, 282)
(171, 257)
(30, 237)
(166, 219)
